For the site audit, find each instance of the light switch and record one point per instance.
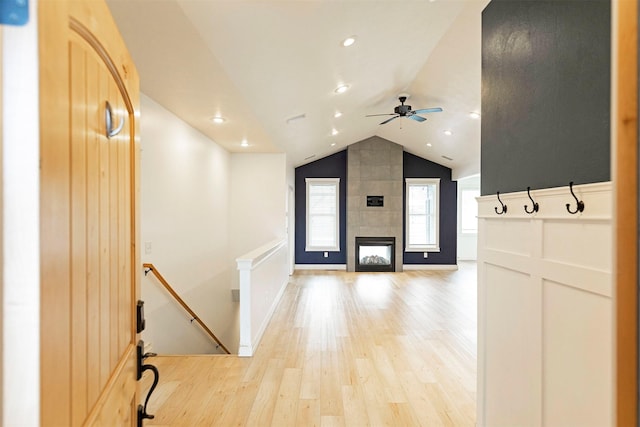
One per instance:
(147, 248)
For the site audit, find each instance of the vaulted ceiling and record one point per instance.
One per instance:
(270, 69)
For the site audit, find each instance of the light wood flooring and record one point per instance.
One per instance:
(342, 349)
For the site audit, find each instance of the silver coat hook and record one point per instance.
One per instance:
(108, 119)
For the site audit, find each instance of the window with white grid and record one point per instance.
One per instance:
(422, 215)
(323, 220)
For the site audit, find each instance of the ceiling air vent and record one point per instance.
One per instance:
(294, 118)
(448, 158)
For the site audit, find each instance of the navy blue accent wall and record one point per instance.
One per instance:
(417, 167)
(334, 166)
(545, 94)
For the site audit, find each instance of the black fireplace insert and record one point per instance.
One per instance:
(375, 254)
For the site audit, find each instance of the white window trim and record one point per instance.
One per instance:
(332, 181)
(422, 248)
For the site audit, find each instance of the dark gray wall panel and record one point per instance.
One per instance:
(545, 94)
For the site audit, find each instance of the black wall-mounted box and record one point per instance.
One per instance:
(376, 201)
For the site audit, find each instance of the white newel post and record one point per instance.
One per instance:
(244, 267)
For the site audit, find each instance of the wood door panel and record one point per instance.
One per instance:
(117, 406)
(93, 235)
(104, 240)
(92, 84)
(79, 243)
(88, 350)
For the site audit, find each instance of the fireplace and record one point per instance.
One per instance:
(375, 254)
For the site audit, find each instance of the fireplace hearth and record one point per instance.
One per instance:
(375, 254)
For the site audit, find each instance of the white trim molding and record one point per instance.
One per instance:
(442, 267)
(339, 267)
(323, 182)
(433, 216)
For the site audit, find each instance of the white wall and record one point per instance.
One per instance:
(467, 242)
(258, 201)
(185, 181)
(291, 216)
(21, 223)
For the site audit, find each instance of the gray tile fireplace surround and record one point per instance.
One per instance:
(374, 168)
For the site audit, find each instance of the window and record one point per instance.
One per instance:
(469, 211)
(323, 220)
(423, 215)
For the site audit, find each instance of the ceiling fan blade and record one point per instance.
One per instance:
(388, 120)
(373, 115)
(416, 118)
(427, 110)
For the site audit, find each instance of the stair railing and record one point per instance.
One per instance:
(151, 268)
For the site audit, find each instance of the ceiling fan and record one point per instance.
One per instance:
(406, 111)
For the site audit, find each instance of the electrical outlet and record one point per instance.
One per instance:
(147, 248)
(326, 254)
(426, 254)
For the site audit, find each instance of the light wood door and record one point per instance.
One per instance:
(625, 175)
(89, 194)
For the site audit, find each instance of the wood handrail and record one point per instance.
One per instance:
(184, 305)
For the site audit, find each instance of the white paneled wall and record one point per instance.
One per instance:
(264, 274)
(545, 346)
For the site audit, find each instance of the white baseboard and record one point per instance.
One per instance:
(341, 267)
(406, 267)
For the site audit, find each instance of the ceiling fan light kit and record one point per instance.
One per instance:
(403, 110)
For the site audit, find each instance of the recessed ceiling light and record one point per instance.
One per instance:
(349, 41)
(218, 120)
(244, 143)
(333, 144)
(334, 132)
(337, 114)
(428, 144)
(448, 132)
(474, 115)
(342, 88)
